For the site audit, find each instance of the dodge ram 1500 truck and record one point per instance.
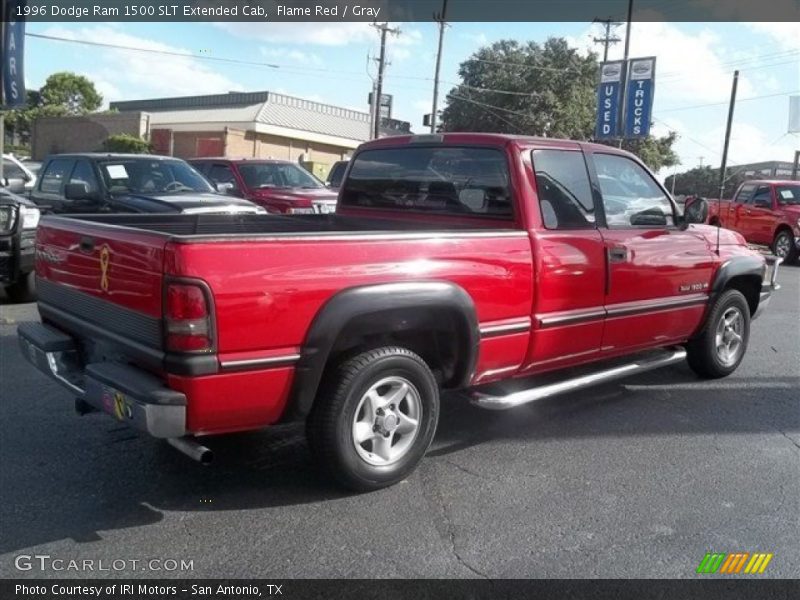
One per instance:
(764, 212)
(510, 268)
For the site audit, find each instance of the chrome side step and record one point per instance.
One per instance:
(669, 357)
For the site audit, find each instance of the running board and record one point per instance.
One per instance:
(669, 357)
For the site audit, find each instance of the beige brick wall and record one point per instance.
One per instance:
(54, 135)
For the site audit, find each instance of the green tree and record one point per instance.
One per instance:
(535, 89)
(126, 143)
(62, 94)
(74, 94)
(704, 181)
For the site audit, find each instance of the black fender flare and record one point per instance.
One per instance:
(348, 305)
(736, 266)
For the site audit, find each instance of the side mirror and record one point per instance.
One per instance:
(77, 191)
(648, 218)
(695, 211)
(227, 187)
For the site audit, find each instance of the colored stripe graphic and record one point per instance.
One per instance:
(711, 563)
(733, 563)
(758, 563)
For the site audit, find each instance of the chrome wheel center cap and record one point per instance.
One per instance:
(388, 422)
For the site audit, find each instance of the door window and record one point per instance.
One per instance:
(12, 171)
(221, 174)
(84, 173)
(631, 197)
(762, 198)
(745, 194)
(565, 194)
(55, 175)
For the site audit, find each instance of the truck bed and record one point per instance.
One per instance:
(231, 225)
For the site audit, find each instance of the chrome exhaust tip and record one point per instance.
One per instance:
(193, 449)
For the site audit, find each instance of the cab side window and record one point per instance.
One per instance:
(563, 188)
(221, 174)
(56, 174)
(763, 197)
(83, 173)
(745, 194)
(631, 197)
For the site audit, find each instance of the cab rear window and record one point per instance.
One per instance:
(440, 180)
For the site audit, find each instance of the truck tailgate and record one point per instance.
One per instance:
(115, 265)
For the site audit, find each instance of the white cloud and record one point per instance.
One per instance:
(147, 73)
(292, 55)
(477, 39)
(303, 33)
(787, 35)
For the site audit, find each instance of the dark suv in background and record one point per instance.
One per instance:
(280, 186)
(128, 183)
(19, 218)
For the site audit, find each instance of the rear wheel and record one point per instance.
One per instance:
(783, 246)
(375, 418)
(721, 346)
(22, 290)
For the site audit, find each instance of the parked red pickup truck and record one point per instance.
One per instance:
(279, 186)
(765, 212)
(454, 262)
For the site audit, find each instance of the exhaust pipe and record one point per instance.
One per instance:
(191, 448)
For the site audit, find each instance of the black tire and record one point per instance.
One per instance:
(22, 290)
(331, 426)
(784, 239)
(702, 353)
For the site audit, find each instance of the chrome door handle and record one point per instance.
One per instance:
(617, 255)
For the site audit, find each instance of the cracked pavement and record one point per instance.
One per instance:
(638, 478)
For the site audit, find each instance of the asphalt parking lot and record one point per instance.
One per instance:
(633, 479)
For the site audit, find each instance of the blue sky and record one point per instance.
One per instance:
(328, 62)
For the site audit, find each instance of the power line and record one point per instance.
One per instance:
(726, 103)
(487, 108)
(182, 54)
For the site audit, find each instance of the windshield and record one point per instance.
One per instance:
(278, 175)
(447, 180)
(788, 194)
(148, 176)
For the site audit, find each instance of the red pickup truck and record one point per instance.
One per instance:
(454, 262)
(279, 186)
(765, 212)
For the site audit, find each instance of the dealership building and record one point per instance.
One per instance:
(248, 124)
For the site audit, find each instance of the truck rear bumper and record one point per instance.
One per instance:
(769, 285)
(128, 394)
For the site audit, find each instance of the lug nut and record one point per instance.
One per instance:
(391, 407)
(375, 428)
(379, 412)
(387, 434)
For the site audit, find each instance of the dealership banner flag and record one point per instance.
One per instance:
(640, 90)
(609, 93)
(13, 68)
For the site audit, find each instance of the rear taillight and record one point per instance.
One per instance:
(187, 319)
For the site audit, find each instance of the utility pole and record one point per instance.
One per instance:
(384, 29)
(625, 63)
(701, 159)
(607, 40)
(440, 19)
(724, 165)
(2, 92)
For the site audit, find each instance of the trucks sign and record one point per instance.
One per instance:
(639, 97)
(13, 54)
(608, 99)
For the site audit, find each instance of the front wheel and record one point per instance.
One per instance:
(374, 418)
(719, 349)
(783, 246)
